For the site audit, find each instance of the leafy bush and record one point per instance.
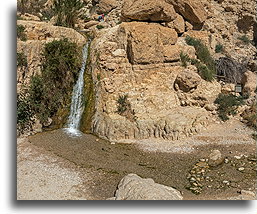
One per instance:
(227, 105)
(22, 60)
(67, 12)
(99, 27)
(184, 59)
(244, 39)
(219, 48)
(205, 58)
(52, 90)
(205, 73)
(24, 112)
(21, 33)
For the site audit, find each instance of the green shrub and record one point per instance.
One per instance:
(21, 33)
(202, 53)
(22, 60)
(219, 48)
(67, 12)
(52, 89)
(227, 105)
(99, 27)
(184, 59)
(244, 39)
(98, 76)
(205, 72)
(24, 112)
(123, 103)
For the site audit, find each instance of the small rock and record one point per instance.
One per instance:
(226, 160)
(241, 169)
(215, 158)
(237, 157)
(192, 179)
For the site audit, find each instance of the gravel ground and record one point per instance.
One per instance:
(52, 166)
(42, 175)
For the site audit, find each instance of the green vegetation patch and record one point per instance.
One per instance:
(21, 33)
(244, 39)
(206, 67)
(99, 27)
(124, 108)
(219, 48)
(21, 60)
(227, 105)
(51, 91)
(67, 12)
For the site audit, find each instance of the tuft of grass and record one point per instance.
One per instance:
(244, 39)
(219, 48)
(184, 59)
(22, 60)
(227, 105)
(123, 104)
(98, 76)
(99, 27)
(124, 108)
(21, 33)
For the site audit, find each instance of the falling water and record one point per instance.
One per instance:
(77, 105)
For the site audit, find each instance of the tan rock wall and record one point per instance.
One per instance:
(158, 112)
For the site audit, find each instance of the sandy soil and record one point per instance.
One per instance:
(54, 166)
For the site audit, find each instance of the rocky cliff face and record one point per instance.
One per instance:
(140, 59)
(142, 91)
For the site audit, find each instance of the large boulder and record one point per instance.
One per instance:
(148, 10)
(191, 10)
(178, 24)
(188, 80)
(105, 6)
(133, 187)
(147, 42)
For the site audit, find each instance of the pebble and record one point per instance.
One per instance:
(225, 182)
(226, 160)
(241, 169)
(112, 143)
(192, 179)
(237, 157)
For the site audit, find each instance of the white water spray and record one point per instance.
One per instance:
(77, 102)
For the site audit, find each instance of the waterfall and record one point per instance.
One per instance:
(77, 101)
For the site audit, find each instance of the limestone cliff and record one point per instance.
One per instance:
(141, 89)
